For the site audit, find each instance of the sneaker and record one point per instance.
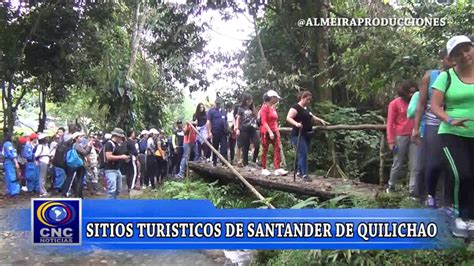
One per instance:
(24, 188)
(179, 176)
(280, 172)
(390, 189)
(143, 187)
(306, 178)
(430, 202)
(44, 195)
(459, 228)
(265, 172)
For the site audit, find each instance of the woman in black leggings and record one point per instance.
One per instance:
(246, 128)
(453, 103)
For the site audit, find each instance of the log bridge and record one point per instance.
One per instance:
(322, 187)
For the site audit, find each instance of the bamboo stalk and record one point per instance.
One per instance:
(235, 172)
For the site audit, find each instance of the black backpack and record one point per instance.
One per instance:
(59, 159)
(102, 159)
(448, 84)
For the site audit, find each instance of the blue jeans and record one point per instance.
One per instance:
(302, 153)
(187, 148)
(59, 177)
(114, 183)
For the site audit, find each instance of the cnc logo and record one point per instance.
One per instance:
(56, 221)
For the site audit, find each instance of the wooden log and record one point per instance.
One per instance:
(247, 184)
(323, 188)
(286, 130)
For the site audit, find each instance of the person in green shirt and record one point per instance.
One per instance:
(453, 103)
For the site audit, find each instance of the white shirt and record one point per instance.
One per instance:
(42, 153)
(230, 119)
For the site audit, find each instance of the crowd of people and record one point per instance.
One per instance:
(71, 161)
(433, 127)
(429, 124)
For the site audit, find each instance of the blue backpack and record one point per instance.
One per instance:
(142, 145)
(73, 159)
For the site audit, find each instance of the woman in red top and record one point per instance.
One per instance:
(399, 130)
(269, 132)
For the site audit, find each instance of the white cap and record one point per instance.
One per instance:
(144, 132)
(107, 136)
(42, 136)
(77, 134)
(272, 93)
(154, 131)
(455, 41)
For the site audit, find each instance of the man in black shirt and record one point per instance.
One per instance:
(113, 176)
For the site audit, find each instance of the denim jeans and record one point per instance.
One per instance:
(114, 183)
(302, 153)
(406, 148)
(187, 148)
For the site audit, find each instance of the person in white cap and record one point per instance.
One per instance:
(269, 132)
(42, 154)
(142, 145)
(151, 159)
(453, 103)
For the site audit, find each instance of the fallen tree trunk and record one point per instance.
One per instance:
(323, 188)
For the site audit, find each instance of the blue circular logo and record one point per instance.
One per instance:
(57, 213)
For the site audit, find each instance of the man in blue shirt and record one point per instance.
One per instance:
(10, 166)
(218, 129)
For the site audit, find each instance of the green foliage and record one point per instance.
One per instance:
(229, 196)
(365, 257)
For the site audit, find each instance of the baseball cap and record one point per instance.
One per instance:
(154, 131)
(33, 136)
(144, 132)
(455, 41)
(272, 93)
(118, 132)
(77, 134)
(42, 136)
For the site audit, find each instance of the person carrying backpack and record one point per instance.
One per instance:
(113, 176)
(453, 103)
(75, 164)
(425, 132)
